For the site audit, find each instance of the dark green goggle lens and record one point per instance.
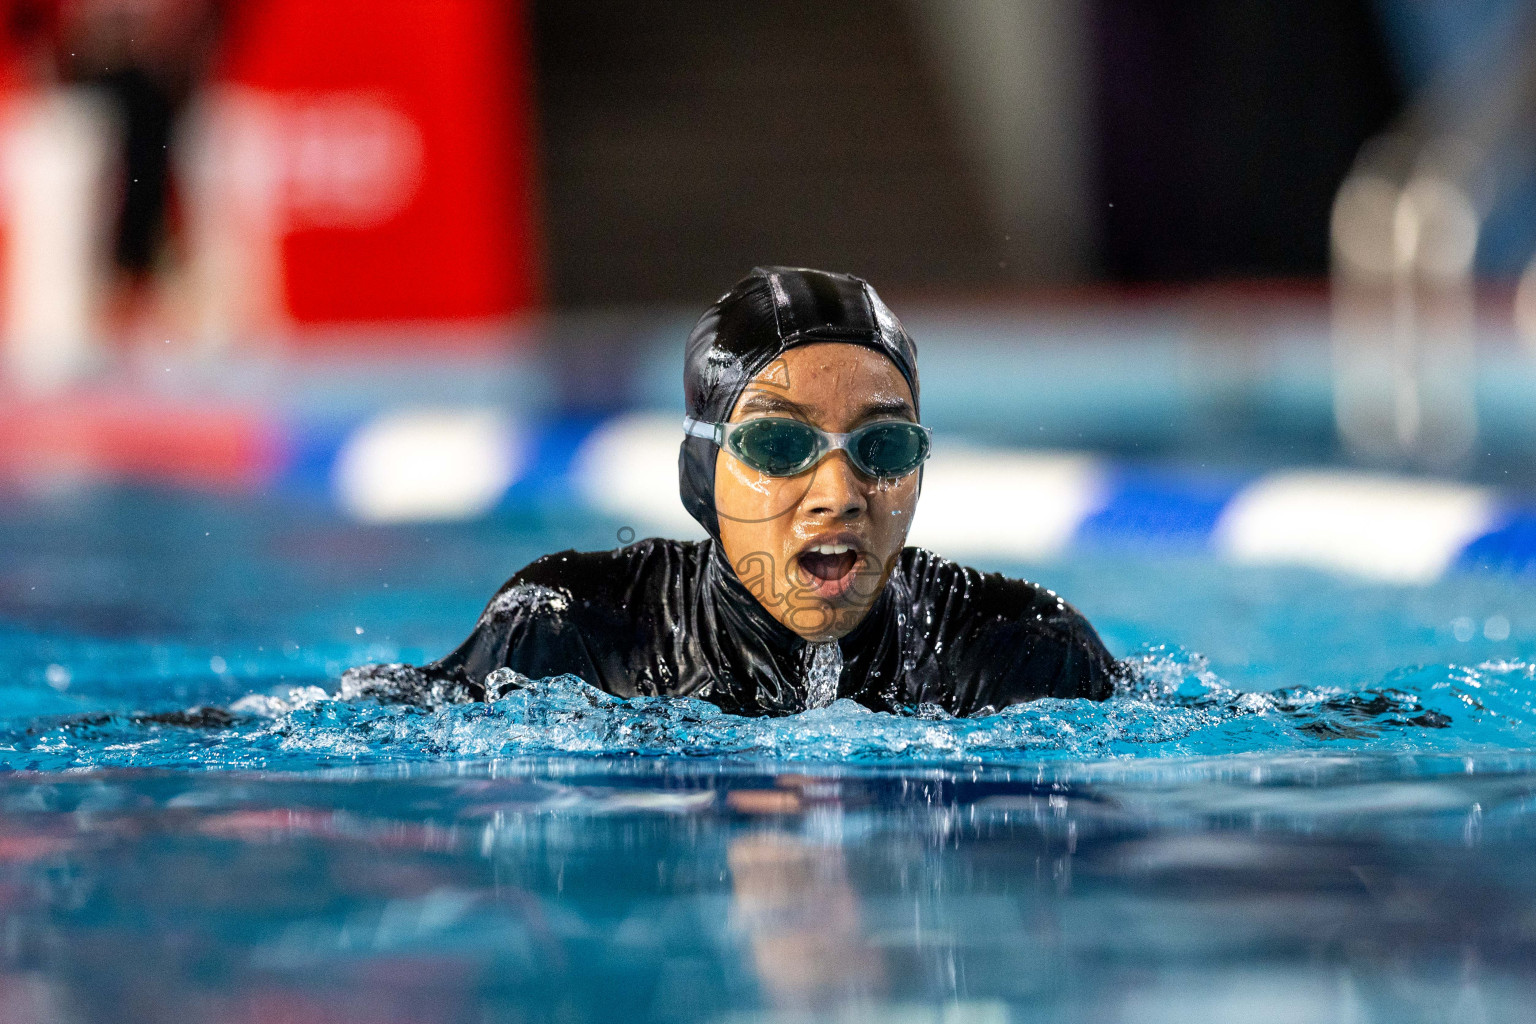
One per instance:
(889, 449)
(775, 447)
(786, 447)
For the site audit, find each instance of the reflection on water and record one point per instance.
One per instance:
(793, 901)
(1308, 888)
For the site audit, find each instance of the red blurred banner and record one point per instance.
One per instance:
(401, 133)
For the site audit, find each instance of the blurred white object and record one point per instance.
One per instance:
(1386, 528)
(1403, 315)
(998, 503)
(424, 465)
(57, 149)
(627, 468)
(1405, 230)
(227, 156)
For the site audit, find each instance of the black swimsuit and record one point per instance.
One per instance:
(670, 618)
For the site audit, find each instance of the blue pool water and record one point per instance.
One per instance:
(1316, 801)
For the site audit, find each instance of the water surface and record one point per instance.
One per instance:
(1315, 802)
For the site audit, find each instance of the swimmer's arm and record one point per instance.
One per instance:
(1058, 655)
(1001, 640)
(527, 628)
(523, 628)
(1024, 643)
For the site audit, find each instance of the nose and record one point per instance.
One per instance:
(836, 491)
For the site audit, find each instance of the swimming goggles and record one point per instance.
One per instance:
(784, 447)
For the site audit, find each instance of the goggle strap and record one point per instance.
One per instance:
(707, 431)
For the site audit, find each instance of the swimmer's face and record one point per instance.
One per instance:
(816, 549)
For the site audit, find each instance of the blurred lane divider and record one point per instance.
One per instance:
(442, 464)
(627, 468)
(980, 503)
(427, 464)
(1012, 504)
(1406, 531)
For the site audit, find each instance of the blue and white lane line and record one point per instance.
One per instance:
(977, 502)
(1386, 528)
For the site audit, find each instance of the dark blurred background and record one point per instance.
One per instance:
(1264, 232)
(932, 145)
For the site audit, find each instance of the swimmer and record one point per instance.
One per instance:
(802, 458)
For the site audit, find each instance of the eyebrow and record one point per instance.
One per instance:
(767, 401)
(886, 407)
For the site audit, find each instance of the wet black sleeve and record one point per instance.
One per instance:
(1064, 658)
(1005, 641)
(1036, 645)
(526, 627)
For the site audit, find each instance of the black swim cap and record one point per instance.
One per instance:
(769, 311)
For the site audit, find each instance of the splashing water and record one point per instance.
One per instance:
(1172, 705)
(823, 668)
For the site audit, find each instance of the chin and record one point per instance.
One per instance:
(827, 620)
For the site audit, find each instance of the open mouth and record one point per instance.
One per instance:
(829, 568)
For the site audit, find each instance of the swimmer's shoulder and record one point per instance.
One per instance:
(931, 575)
(602, 583)
(1006, 613)
(579, 612)
(600, 568)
